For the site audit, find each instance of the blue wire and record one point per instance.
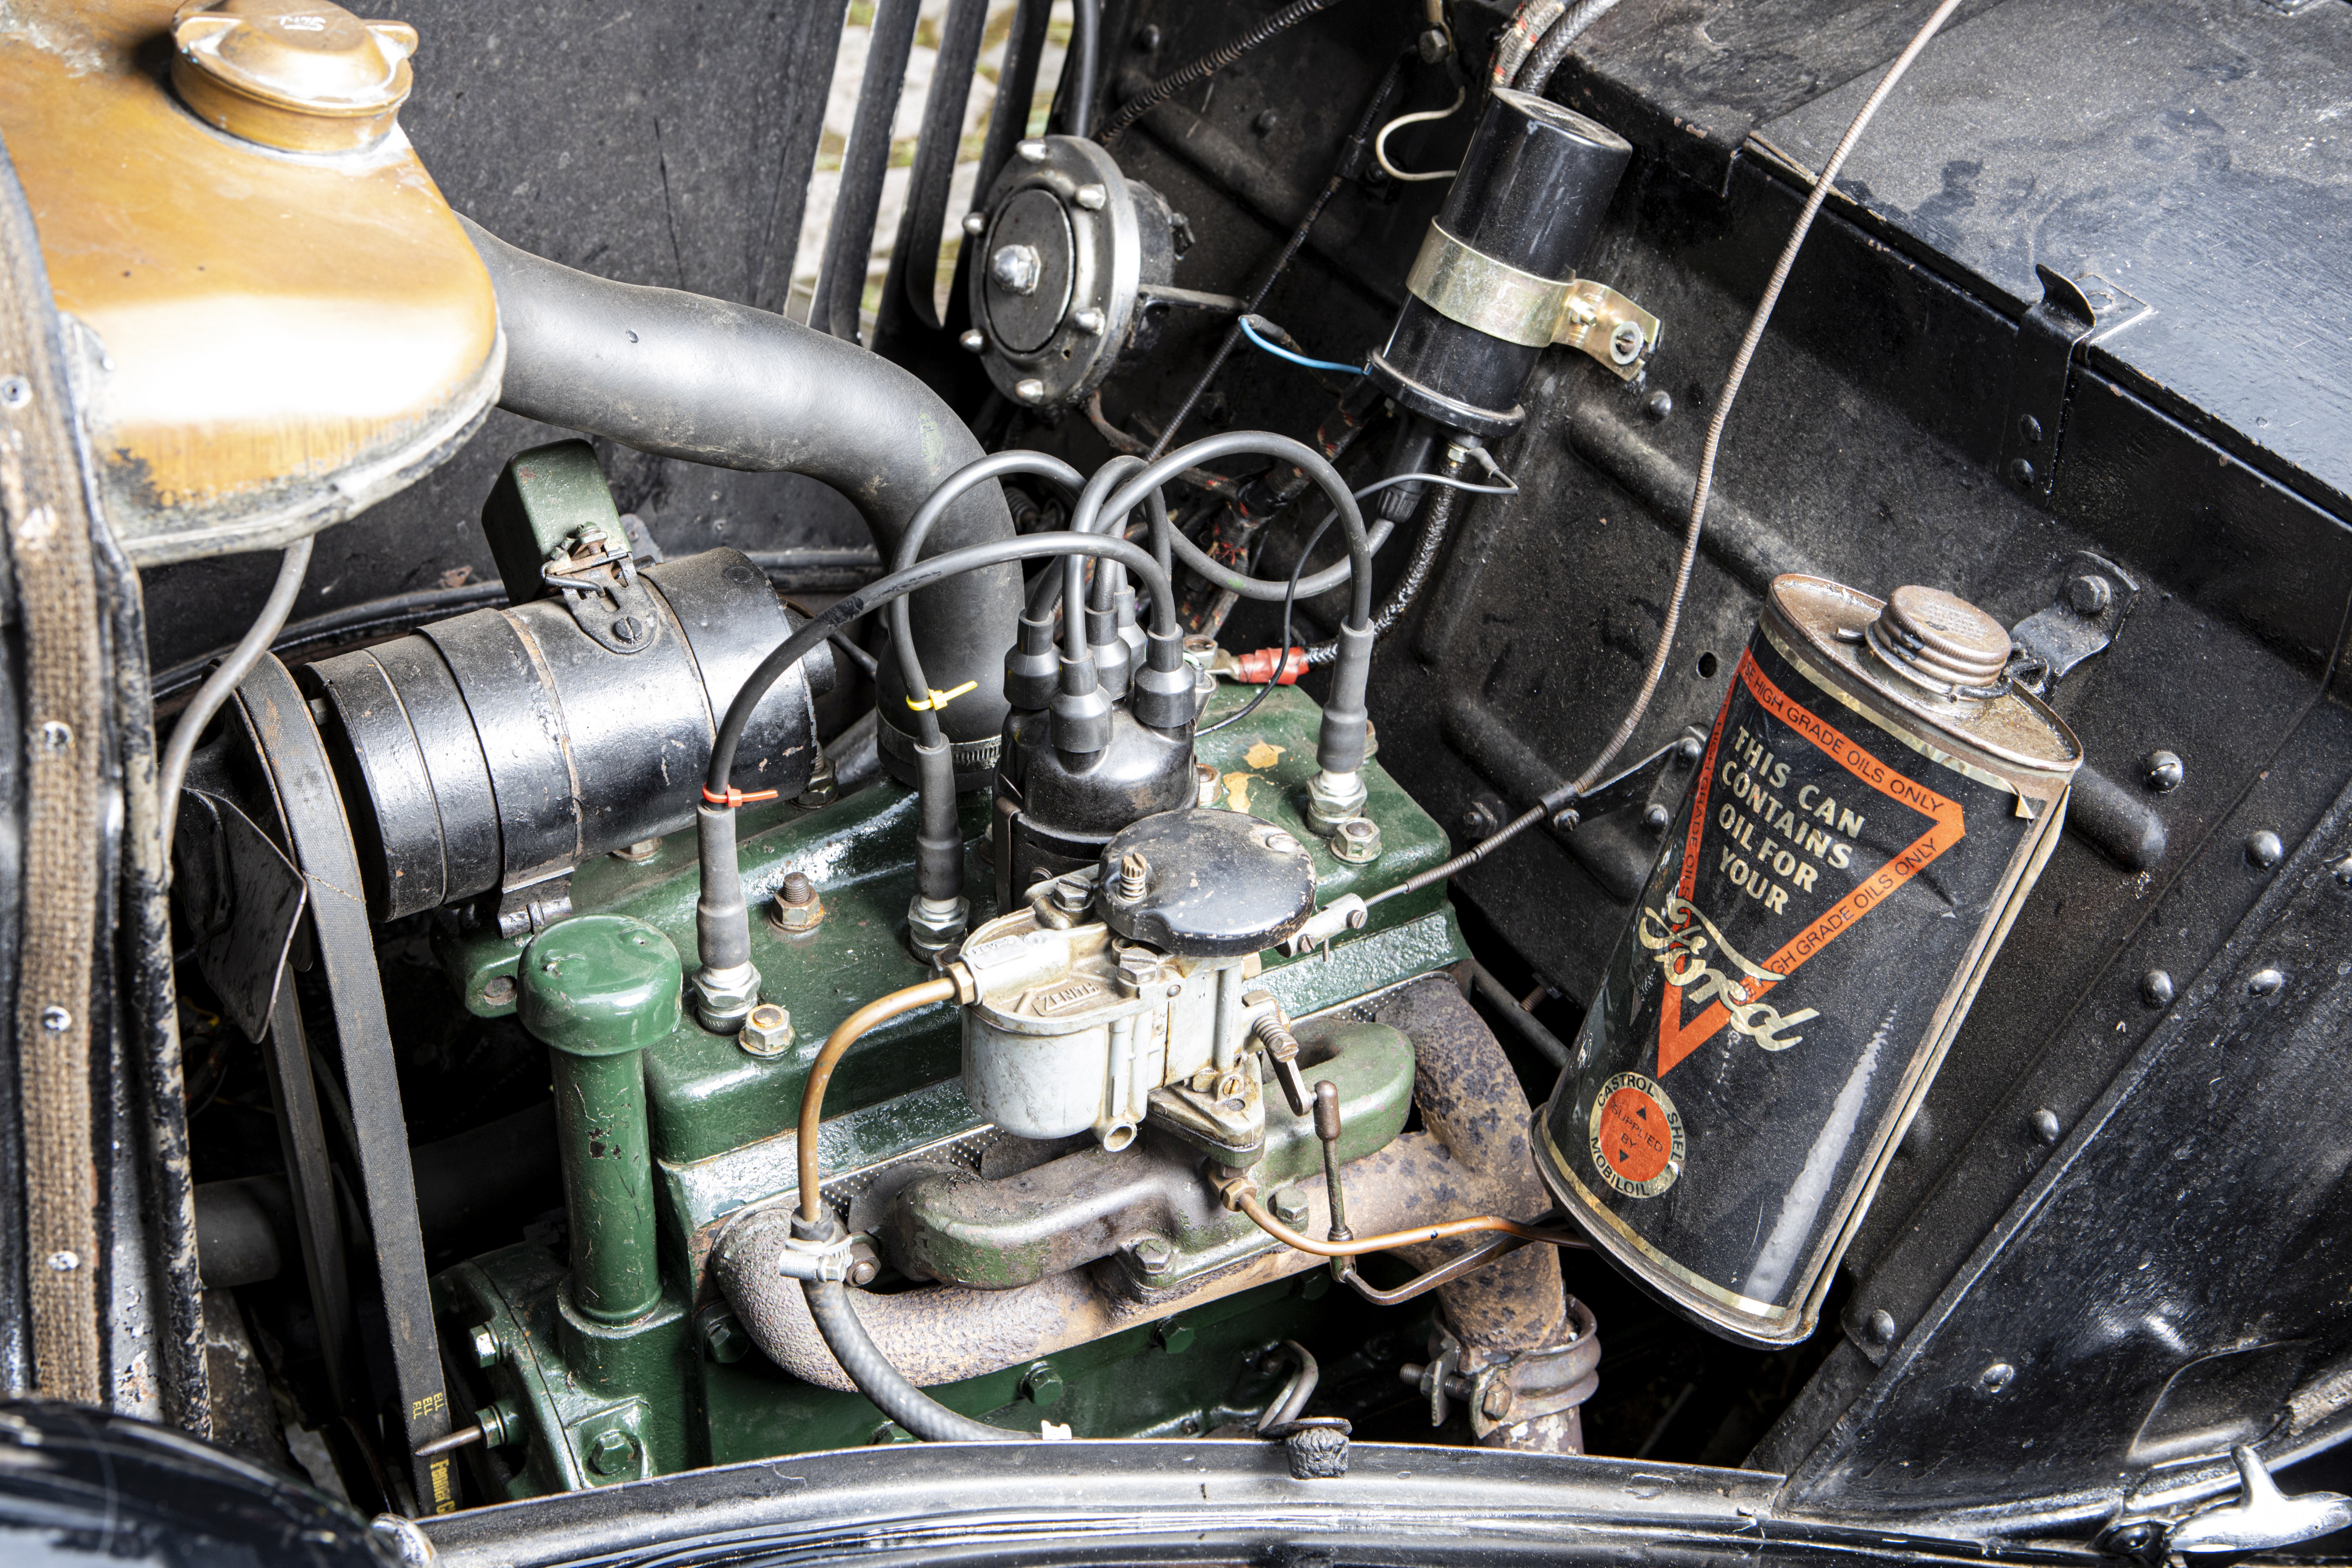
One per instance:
(1280, 353)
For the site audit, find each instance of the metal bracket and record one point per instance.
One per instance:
(597, 578)
(2073, 313)
(2093, 596)
(1601, 323)
(1464, 284)
(2263, 1518)
(529, 910)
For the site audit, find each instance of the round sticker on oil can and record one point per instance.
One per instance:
(1637, 1136)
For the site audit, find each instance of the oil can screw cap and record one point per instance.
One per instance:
(303, 75)
(1940, 640)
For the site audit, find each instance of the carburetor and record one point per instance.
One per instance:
(1119, 994)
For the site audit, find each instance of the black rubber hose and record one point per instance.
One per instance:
(1085, 67)
(685, 376)
(870, 1370)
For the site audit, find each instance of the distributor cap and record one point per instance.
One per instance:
(1206, 884)
(1069, 247)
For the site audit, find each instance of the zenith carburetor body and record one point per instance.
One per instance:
(1118, 993)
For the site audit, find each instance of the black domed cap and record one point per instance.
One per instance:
(1216, 884)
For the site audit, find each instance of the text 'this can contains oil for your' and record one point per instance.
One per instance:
(1875, 803)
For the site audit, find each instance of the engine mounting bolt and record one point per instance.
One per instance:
(2043, 1124)
(1016, 269)
(1356, 841)
(1879, 1327)
(1042, 1385)
(2262, 981)
(1087, 322)
(797, 908)
(2090, 596)
(1175, 1336)
(1290, 1207)
(767, 1031)
(485, 1346)
(611, 1453)
(1033, 149)
(2156, 988)
(974, 221)
(974, 342)
(2264, 850)
(1093, 198)
(1029, 390)
(2165, 772)
(1154, 1255)
(1134, 876)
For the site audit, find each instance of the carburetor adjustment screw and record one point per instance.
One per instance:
(1134, 876)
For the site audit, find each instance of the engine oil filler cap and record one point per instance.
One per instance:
(302, 75)
(1202, 883)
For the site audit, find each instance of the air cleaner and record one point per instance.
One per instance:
(1876, 800)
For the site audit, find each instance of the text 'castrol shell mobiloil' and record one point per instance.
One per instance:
(1876, 800)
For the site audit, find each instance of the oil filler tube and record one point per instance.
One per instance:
(1875, 803)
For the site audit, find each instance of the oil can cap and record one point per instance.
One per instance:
(1202, 883)
(303, 75)
(1941, 640)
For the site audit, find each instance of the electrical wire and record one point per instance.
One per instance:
(1536, 74)
(1278, 352)
(216, 690)
(1723, 404)
(1529, 25)
(1427, 116)
(1207, 66)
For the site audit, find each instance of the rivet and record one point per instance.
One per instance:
(2029, 429)
(16, 392)
(63, 1262)
(2043, 1124)
(974, 221)
(56, 735)
(1996, 1377)
(2262, 981)
(1881, 1327)
(55, 1020)
(1660, 405)
(974, 342)
(2021, 472)
(2264, 849)
(1655, 819)
(2156, 988)
(2165, 772)
(1087, 322)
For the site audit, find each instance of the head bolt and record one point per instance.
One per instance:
(611, 1453)
(1042, 1385)
(1016, 269)
(2165, 772)
(485, 1346)
(2090, 596)
(767, 1031)
(1290, 1207)
(2156, 988)
(2264, 849)
(1153, 1256)
(974, 342)
(1356, 841)
(1087, 322)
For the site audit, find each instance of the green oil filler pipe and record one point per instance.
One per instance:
(597, 989)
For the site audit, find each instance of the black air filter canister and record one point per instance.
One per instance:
(506, 746)
(1485, 293)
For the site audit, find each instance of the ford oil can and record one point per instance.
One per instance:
(1874, 802)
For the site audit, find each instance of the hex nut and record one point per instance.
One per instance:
(1154, 1255)
(2165, 772)
(2089, 595)
(823, 786)
(611, 1453)
(767, 1031)
(1356, 841)
(2264, 849)
(797, 909)
(1042, 1385)
(1289, 1206)
(486, 1354)
(1175, 1336)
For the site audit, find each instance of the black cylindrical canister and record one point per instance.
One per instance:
(503, 747)
(1876, 802)
(1528, 200)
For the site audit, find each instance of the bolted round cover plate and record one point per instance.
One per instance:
(1216, 884)
(1022, 321)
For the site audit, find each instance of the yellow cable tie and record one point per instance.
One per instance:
(940, 700)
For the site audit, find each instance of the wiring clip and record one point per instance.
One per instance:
(938, 700)
(735, 798)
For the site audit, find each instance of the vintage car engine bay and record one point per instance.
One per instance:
(1609, 738)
